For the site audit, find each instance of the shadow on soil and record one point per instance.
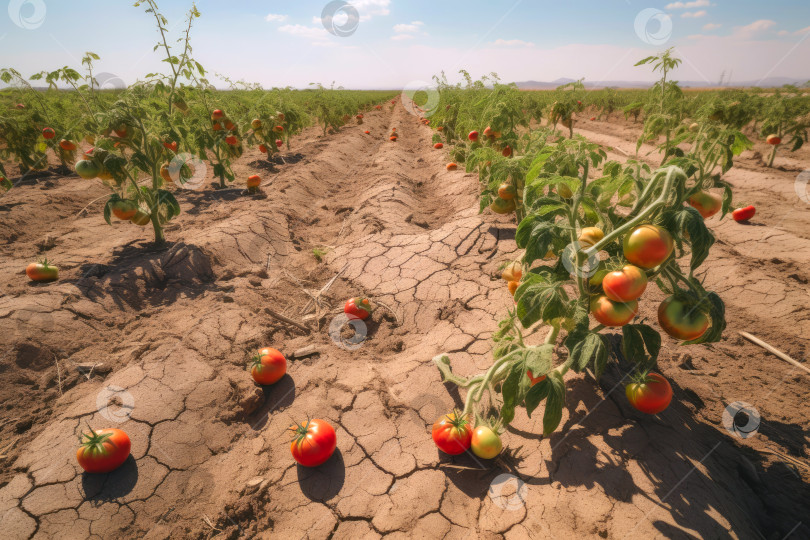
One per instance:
(688, 469)
(111, 486)
(323, 482)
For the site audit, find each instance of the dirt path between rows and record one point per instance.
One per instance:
(210, 452)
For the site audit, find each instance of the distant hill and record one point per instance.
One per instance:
(769, 82)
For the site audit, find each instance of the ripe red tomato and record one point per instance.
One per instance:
(743, 214)
(278, 129)
(229, 125)
(507, 151)
(65, 144)
(217, 114)
(681, 320)
(171, 146)
(268, 366)
(254, 181)
(488, 132)
(452, 166)
(231, 139)
(357, 308)
(216, 126)
(626, 284)
(593, 118)
(648, 246)
(773, 140)
(315, 442)
(279, 142)
(473, 136)
(42, 271)
(48, 133)
(262, 149)
(651, 396)
(452, 435)
(392, 138)
(124, 209)
(438, 145)
(104, 450)
(367, 132)
(485, 443)
(611, 313)
(708, 204)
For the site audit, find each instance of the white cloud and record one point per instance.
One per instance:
(273, 17)
(414, 27)
(512, 43)
(711, 26)
(782, 33)
(401, 37)
(756, 27)
(694, 14)
(803, 31)
(371, 8)
(305, 31)
(688, 5)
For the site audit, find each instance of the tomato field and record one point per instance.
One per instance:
(462, 311)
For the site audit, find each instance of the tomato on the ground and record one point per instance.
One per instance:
(315, 442)
(268, 366)
(626, 284)
(452, 434)
(254, 181)
(438, 146)
(680, 320)
(485, 443)
(42, 271)
(743, 214)
(104, 450)
(648, 246)
(452, 166)
(357, 308)
(651, 396)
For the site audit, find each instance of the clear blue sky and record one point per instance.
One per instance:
(398, 41)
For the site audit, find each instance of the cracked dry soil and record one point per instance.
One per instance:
(210, 455)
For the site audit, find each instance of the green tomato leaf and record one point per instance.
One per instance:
(540, 299)
(554, 403)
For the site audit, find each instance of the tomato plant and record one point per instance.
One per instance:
(103, 451)
(314, 442)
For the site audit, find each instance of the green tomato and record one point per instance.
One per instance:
(486, 444)
(87, 169)
(680, 320)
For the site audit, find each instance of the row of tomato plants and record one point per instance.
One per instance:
(156, 133)
(594, 234)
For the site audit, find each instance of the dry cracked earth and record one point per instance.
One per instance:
(169, 333)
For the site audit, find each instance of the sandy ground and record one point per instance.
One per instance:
(210, 456)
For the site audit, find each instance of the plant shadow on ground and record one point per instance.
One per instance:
(99, 488)
(141, 276)
(323, 482)
(276, 397)
(693, 471)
